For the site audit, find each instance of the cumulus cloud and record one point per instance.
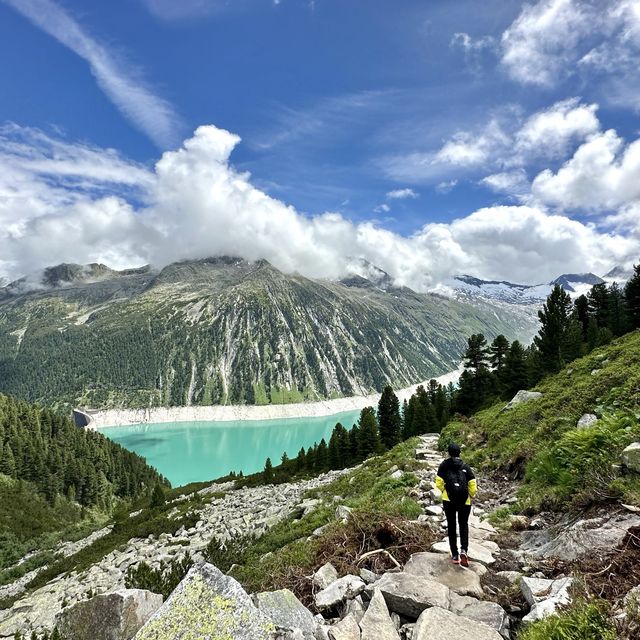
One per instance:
(504, 142)
(194, 204)
(382, 208)
(153, 115)
(552, 39)
(603, 173)
(512, 182)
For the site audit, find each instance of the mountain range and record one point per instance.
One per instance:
(468, 288)
(225, 330)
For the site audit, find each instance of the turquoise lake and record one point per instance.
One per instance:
(195, 451)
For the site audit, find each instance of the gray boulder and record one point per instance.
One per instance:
(410, 595)
(110, 616)
(631, 457)
(438, 567)
(324, 576)
(208, 603)
(479, 551)
(587, 420)
(342, 589)
(520, 397)
(286, 611)
(544, 596)
(376, 623)
(489, 613)
(343, 512)
(346, 629)
(438, 624)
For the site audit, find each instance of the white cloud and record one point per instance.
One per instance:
(153, 115)
(446, 186)
(402, 194)
(512, 182)
(195, 204)
(382, 208)
(552, 39)
(551, 131)
(602, 174)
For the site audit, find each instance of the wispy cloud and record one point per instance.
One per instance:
(151, 114)
(402, 194)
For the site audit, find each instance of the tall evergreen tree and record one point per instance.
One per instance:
(514, 375)
(267, 474)
(632, 298)
(389, 418)
(477, 353)
(555, 318)
(498, 350)
(581, 306)
(598, 298)
(368, 434)
(618, 322)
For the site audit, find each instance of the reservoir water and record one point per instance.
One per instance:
(195, 451)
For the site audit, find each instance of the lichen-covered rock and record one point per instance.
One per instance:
(438, 624)
(343, 512)
(338, 591)
(520, 397)
(110, 616)
(208, 604)
(286, 611)
(346, 629)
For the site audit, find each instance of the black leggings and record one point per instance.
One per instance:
(463, 512)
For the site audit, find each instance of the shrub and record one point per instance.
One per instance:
(162, 580)
(583, 622)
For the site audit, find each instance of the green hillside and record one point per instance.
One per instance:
(539, 441)
(225, 330)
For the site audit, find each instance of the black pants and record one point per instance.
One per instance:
(463, 512)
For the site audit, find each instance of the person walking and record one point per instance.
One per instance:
(456, 481)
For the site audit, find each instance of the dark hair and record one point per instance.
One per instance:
(454, 450)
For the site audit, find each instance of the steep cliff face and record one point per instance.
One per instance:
(225, 330)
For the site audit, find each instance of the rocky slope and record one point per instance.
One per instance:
(224, 330)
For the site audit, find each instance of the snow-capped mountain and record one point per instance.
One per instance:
(465, 287)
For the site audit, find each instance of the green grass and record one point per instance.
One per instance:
(582, 622)
(539, 440)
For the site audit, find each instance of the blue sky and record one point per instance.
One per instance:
(424, 126)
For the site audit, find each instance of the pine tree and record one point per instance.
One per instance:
(618, 322)
(267, 474)
(322, 456)
(555, 318)
(7, 462)
(389, 418)
(598, 299)
(301, 460)
(368, 435)
(514, 376)
(632, 298)
(499, 349)
(477, 353)
(581, 306)
(157, 497)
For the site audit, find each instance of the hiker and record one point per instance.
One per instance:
(458, 485)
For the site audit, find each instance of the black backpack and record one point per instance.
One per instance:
(456, 484)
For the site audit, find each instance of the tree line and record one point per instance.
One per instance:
(568, 330)
(61, 460)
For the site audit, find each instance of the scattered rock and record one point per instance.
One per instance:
(286, 611)
(396, 475)
(346, 629)
(356, 607)
(376, 623)
(338, 591)
(520, 397)
(489, 613)
(410, 595)
(434, 510)
(208, 603)
(438, 624)
(435, 495)
(343, 512)
(544, 596)
(437, 566)
(324, 576)
(587, 420)
(511, 576)
(110, 616)
(631, 457)
(369, 576)
(478, 551)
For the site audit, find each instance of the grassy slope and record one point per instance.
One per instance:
(560, 463)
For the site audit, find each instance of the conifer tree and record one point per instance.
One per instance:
(477, 353)
(632, 298)
(267, 474)
(514, 376)
(598, 300)
(322, 456)
(157, 497)
(368, 435)
(581, 306)
(555, 318)
(499, 349)
(389, 418)
(617, 314)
